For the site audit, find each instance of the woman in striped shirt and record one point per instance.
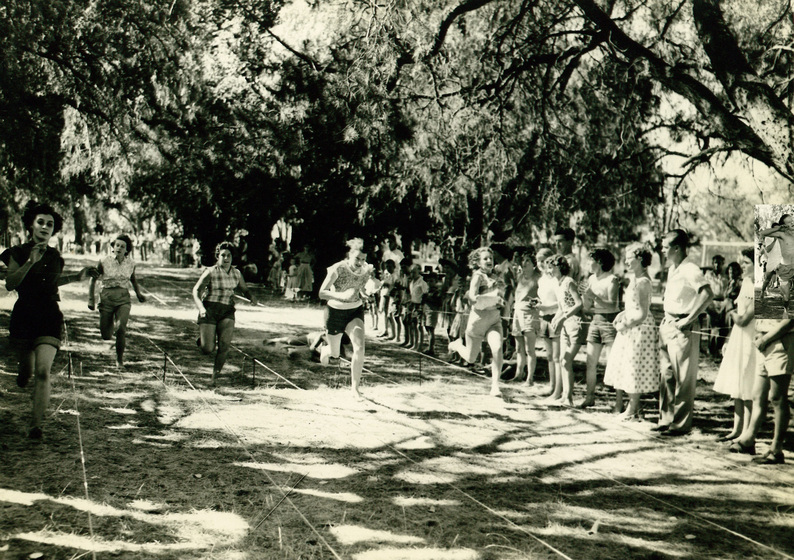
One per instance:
(216, 308)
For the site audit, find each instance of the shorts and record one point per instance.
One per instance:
(544, 328)
(573, 331)
(216, 312)
(483, 321)
(785, 272)
(35, 322)
(526, 321)
(601, 330)
(430, 317)
(113, 299)
(337, 320)
(395, 307)
(778, 358)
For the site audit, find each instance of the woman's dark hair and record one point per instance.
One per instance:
(749, 252)
(562, 263)
(526, 251)
(126, 239)
(228, 245)
(604, 258)
(33, 209)
(641, 253)
(734, 270)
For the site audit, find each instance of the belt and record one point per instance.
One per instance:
(676, 315)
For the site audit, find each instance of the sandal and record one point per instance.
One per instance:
(739, 447)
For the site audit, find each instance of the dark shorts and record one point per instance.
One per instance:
(216, 312)
(601, 330)
(545, 330)
(337, 320)
(113, 299)
(430, 316)
(35, 322)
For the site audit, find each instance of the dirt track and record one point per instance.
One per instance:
(428, 466)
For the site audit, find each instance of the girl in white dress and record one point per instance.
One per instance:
(737, 370)
(633, 365)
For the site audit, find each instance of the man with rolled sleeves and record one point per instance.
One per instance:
(687, 294)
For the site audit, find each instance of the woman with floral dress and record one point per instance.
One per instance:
(633, 365)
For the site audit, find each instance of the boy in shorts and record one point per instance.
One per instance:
(775, 341)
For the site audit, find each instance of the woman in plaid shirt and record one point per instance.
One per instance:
(216, 308)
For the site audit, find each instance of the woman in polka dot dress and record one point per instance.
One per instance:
(633, 365)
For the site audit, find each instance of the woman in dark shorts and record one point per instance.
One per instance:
(216, 308)
(117, 272)
(35, 270)
(343, 289)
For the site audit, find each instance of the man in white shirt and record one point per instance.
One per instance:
(687, 294)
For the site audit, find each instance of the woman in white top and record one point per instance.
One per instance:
(547, 307)
(117, 272)
(737, 370)
(526, 317)
(633, 365)
(343, 289)
(601, 299)
(487, 294)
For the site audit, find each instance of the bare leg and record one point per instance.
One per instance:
(495, 341)
(758, 417)
(122, 317)
(521, 358)
(778, 395)
(43, 356)
(355, 330)
(225, 331)
(593, 354)
(207, 334)
(618, 408)
(553, 358)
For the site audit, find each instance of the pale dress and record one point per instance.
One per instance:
(633, 364)
(737, 370)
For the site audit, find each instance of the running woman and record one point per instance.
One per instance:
(343, 289)
(216, 308)
(35, 270)
(117, 272)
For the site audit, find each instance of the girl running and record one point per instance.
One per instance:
(35, 270)
(343, 289)
(117, 272)
(216, 308)
(486, 292)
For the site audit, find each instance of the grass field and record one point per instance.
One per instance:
(279, 461)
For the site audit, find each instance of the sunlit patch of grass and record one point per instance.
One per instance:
(129, 411)
(347, 497)
(423, 502)
(352, 534)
